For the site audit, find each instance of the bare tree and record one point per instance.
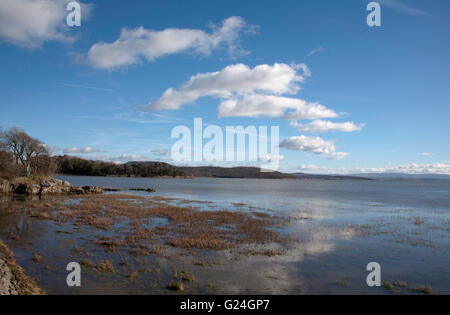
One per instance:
(24, 148)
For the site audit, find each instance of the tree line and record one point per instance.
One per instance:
(76, 166)
(23, 155)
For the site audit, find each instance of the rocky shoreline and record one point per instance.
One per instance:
(13, 280)
(48, 186)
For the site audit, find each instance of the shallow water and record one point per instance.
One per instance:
(337, 228)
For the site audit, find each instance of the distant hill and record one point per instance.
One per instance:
(70, 165)
(403, 176)
(330, 177)
(234, 172)
(255, 172)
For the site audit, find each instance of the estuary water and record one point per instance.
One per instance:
(337, 228)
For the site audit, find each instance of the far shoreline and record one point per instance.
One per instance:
(316, 177)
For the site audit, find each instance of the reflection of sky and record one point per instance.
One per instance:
(279, 274)
(326, 226)
(287, 195)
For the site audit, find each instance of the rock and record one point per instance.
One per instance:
(66, 184)
(76, 190)
(7, 286)
(57, 181)
(4, 187)
(27, 189)
(13, 280)
(54, 190)
(54, 186)
(110, 189)
(92, 190)
(82, 190)
(46, 183)
(47, 187)
(143, 189)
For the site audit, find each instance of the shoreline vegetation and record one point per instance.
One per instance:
(136, 228)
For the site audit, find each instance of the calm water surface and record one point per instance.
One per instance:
(338, 228)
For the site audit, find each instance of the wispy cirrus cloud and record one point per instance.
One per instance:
(315, 51)
(161, 152)
(80, 86)
(85, 150)
(402, 7)
(135, 45)
(123, 158)
(322, 126)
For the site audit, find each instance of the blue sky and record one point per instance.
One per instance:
(96, 91)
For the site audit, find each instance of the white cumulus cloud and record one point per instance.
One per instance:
(261, 91)
(322, 126)
(235, 80)
(29, 23)
(257, 105)
(134, 45)
(314, 145)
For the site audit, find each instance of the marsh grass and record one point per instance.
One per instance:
(145, 226)
(105, 266)
(398, 286)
